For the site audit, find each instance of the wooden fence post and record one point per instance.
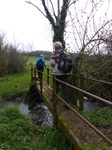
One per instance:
(35, 76)
(41, 79)
(81, 95)
(47, 76)
(31, 74)
(54, 100)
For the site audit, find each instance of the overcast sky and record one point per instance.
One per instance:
(22, 23)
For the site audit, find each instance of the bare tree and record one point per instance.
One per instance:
(91, 23)
(11, 60)
(57, 20)
(83, 25)
(3, 54)
(91, 28)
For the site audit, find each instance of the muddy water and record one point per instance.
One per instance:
(38, 113)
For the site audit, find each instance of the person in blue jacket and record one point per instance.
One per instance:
(40, 64)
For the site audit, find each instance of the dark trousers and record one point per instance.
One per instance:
(39, 73)
(64, 87)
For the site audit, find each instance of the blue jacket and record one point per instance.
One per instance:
(43, 61)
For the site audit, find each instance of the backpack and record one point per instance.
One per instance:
(65, 63)
(40, 65)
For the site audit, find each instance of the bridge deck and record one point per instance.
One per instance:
(76, 130)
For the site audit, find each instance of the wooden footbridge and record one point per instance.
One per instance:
(77, 129)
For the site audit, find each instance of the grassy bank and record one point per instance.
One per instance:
(14, 84)
(17, 131)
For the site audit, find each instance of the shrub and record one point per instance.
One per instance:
(11, 60)
(15, 60)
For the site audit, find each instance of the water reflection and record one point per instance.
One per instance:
(38, 113)
(22, 107)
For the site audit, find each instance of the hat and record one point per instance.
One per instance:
(42, 55)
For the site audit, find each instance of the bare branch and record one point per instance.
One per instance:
(36, 7)
(49, 16)
(53, 9)
(91, 40)
(72, 3)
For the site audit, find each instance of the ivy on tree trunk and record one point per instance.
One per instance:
(58, 27)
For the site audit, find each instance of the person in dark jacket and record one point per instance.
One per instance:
(40, 64)
(59, 74)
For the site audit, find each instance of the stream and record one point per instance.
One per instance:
(38, 112)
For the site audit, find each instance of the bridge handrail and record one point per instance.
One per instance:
(87, 122)
(87, 93)
(81, 117)
(92, 79)
(84, 92)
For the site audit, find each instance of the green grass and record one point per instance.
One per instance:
(34, 59)
(98, 116)
(14, 84)
(101, 117)
(17, 132)
(19, 83)
(104, 146)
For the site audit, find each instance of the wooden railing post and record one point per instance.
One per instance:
(54, 100)
(47, 76)
(35, 76)
(31, 74)
(81, 95)
(41, 79)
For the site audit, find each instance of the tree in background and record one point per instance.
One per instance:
(91, 24)
(58, 22)
(88, 26)
(11, 60)
(3, 55)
